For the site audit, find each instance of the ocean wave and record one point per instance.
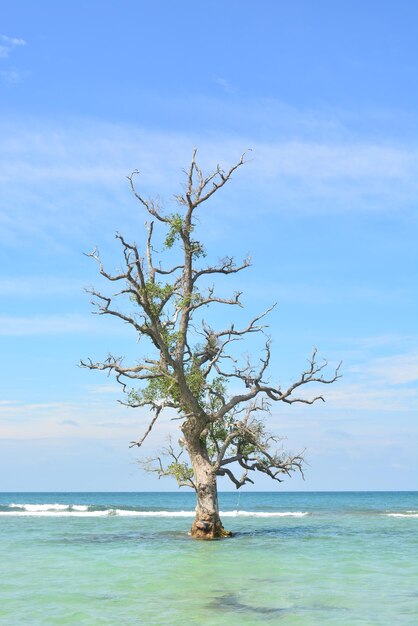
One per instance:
(262, 514)
(35, 508)
(54, 513)
(104, 513)
(67, 510)
(407, 514)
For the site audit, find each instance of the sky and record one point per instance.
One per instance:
(325, 95)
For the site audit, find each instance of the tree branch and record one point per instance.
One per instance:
(140, 441)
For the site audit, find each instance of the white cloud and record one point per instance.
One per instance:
(16, 407)
(10, 76)
(322, 293)
(12, 41)
(321, 161)
(8, 43)
(225, 84)
(371, 396)
(104, 389)
(395, 342)
(103, 154)
(34, 285)
(396, 369)
(93, 418)
(52, 325)
(377, 383)
(69, 423)
(40, 163)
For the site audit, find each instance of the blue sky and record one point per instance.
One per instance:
(325, 95)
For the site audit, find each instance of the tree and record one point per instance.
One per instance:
(192, 364)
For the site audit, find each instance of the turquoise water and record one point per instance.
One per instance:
(125, 558)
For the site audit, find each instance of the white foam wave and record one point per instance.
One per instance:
(262, 514)
(63, 510)
(35, 508)
(127, 513)
(55, 513)
(81, 513)
(407, 514)
(40, 507)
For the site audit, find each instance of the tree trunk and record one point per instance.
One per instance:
(207, 523)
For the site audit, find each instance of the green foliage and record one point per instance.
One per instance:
(188, 300)
(215, 395)
(157, 390)
(198, 250)
(158, 290)
(247, 444)
(182, 472)
(164, 388)
(195, 381)
(217, 433)
(156, 293)
(176, 226)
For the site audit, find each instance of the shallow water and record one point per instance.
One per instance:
(296, 559)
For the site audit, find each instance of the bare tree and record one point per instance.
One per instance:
(192, 364)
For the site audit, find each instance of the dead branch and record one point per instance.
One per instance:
(140, 441)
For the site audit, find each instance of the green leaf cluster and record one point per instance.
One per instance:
(164, 388)
(156, 293)
(176, 226)
(182, 472)
(198, 249)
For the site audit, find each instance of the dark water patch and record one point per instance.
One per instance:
(122, 537)
(314, 532)
(98, 539)
(230, 601)
(284, 531)
(323, 608)
(265, 581)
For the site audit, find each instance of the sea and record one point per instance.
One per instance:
(308, 559)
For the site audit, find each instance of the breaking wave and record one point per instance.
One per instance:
(406, 514)
(262, 514)
(78, 510)
(84, 510)
(35, 508)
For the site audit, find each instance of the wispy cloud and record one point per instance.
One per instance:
(17, 407)
(398, 369)
(51, 325)
(225, 85)
(104, 389)
(325, 161)
(393, 341)
(7, 44)
(370, 382)
(324, 293)
(371, 396)
(375, 383)
(85, 417)
(82, 154)
(23, 286)
(38, 164)
(9, 75)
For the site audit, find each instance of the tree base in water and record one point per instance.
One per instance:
(206, 528)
